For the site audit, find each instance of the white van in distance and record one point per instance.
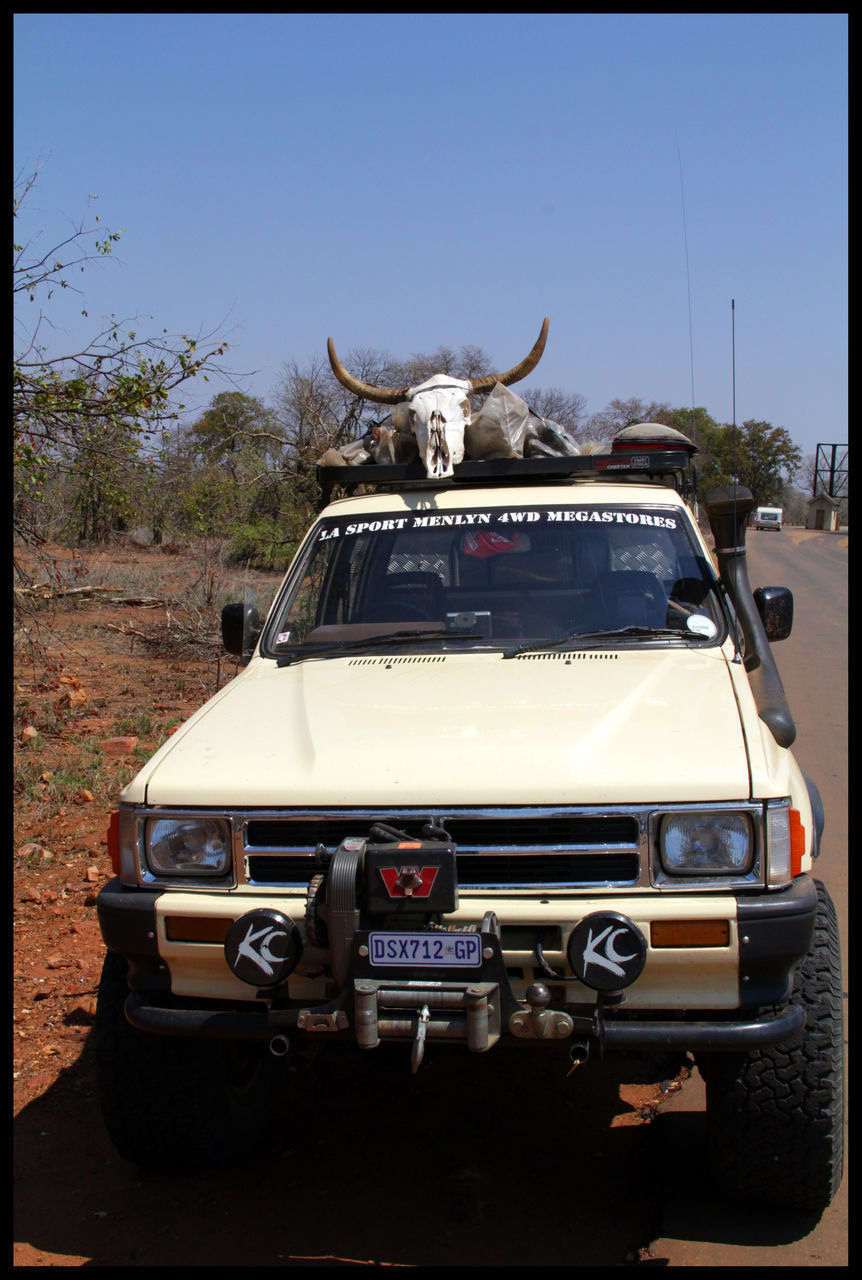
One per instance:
(768, 518)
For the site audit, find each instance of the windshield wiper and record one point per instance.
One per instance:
(576, 638)
(370, 642)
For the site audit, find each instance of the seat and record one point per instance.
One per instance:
(402, 596)
(686, 597)
(631, 598)
(691, 591)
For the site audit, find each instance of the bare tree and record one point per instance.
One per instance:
(91, 405)
(567, 408)
(622, 413)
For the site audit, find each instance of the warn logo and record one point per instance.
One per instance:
(409, 881)
(411, 877)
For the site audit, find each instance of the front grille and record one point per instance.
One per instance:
(482, 871)
(281, 869)
(496, 849)
(468, 832)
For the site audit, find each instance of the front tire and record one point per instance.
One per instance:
(775, 1117)
(176, 1103)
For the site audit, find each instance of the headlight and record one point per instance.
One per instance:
(188, 846)
(696, 844)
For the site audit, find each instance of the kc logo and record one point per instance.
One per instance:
(607, 951)
(257, 946)
(610, 960)
(263, 947)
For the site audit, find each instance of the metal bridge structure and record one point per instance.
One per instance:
(832, 471)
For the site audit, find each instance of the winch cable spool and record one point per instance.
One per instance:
(342, 915)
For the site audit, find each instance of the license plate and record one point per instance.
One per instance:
(426, 950)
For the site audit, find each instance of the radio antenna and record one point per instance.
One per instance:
(733, 361)
(737, 656)
(733, 388)
(688, 286)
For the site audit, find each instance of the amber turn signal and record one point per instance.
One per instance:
(797, 842)
(196, 928)
(689, 933)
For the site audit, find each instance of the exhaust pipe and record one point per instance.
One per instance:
(579, 1052)
(278, 1046)
(728, 509)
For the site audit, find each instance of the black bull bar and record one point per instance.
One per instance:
(333, 1022)
(475, 1007)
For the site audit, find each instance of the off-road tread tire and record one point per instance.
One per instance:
(775, 1116)
(166, 1100)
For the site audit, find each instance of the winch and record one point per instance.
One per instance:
(382, 904)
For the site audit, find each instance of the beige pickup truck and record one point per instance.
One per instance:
(507, 766)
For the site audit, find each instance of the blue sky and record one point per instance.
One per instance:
(404, 181)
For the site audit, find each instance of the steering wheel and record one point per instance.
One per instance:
(678, 611)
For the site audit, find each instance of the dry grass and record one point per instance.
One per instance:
(176, 597)
(88, 669)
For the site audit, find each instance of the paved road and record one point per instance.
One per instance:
(813, 668)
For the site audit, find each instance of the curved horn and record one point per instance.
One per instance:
(380, 394)
(520, 371)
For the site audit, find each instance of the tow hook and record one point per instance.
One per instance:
(540, 1023)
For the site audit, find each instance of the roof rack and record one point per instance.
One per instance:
(671, 467)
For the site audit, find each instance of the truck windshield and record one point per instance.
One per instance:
(500, 578)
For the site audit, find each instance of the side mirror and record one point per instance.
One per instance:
(240, 628)
(775, 606)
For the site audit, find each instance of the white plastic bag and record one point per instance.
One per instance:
(505, 427)
(499, 428)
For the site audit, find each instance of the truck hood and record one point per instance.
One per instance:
(631, 726)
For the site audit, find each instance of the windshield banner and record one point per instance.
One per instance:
(545, 515)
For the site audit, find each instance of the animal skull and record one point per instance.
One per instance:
(439, 416)
(439, 408)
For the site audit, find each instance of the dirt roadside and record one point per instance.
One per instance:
(104, 686)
